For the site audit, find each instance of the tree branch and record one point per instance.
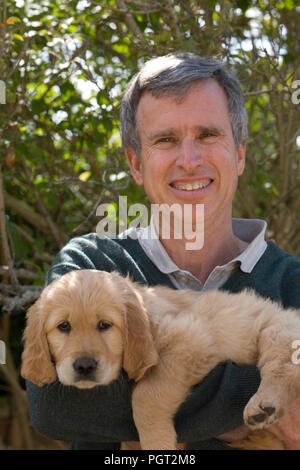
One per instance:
(3, 233)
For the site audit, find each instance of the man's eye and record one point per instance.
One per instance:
(165, 139)
(65, 327)
(207, 135)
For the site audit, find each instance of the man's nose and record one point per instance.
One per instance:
(191, 155)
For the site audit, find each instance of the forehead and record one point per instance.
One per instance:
(205, 101)
(82, 304)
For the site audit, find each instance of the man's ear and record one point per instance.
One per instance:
(135, 165)
(241, 157)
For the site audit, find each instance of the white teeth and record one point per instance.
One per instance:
(191, 186)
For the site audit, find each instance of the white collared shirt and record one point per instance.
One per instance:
(252, 231)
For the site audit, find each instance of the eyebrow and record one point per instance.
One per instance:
(170, 131)
(162, 133)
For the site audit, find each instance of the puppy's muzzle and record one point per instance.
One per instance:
(85, 368)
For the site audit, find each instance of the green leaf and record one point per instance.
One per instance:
(17, 36)
(38, 106)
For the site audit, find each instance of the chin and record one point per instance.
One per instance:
(83, 384)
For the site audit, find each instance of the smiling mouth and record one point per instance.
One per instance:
(192, 186)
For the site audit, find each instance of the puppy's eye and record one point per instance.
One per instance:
(103, 325)
(65, 327)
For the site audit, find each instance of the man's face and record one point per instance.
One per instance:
(188, 154)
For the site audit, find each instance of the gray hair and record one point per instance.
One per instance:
(174, 75)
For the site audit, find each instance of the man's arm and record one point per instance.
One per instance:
(104, 414)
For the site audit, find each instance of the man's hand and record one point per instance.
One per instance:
(287, 429)
(135, 445)
(237, 434)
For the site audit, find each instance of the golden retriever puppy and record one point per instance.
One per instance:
(89, 324)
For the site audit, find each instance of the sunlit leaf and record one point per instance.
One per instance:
(13, 20)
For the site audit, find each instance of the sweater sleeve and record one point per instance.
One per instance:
(290, 286)
(102, 416)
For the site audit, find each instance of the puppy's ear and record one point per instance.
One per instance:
(36, 360)
(139, 351)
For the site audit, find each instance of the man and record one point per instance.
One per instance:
(184, 131)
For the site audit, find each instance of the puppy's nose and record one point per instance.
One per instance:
(85, 365)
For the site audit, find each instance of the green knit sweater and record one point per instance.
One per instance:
(101, 418)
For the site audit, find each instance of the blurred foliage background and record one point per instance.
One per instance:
(63, 67)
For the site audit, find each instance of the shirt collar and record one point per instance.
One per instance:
(251, 231)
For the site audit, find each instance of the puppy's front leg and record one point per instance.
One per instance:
(155, 401)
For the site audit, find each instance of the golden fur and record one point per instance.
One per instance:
(166, 340)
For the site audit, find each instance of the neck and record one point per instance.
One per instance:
(217, 246)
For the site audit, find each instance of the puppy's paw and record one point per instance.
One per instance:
(260, 413)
